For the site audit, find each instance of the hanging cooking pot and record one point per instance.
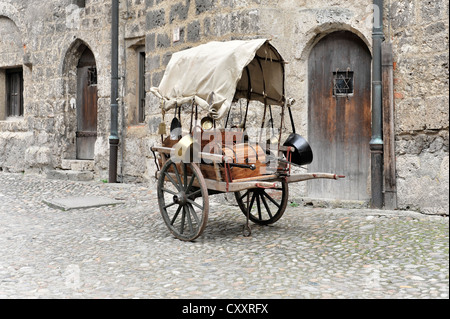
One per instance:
(207, 123)
(302, 153)
(175, 126)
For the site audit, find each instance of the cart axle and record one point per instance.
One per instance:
(180, 198)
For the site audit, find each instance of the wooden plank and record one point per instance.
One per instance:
(307, 176)
(390, 184)
(255, 178)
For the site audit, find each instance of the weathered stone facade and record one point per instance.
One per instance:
(44, 40)
(419, 32)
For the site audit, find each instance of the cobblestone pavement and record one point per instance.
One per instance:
(126, 251)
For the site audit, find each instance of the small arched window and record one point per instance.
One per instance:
(14, 92)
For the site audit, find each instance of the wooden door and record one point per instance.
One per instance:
(86, 106)
(339, 116)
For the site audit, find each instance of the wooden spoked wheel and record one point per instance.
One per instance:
(266, 205)
(183, 199)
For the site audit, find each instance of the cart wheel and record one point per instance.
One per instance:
(183, 199)
(270, 203)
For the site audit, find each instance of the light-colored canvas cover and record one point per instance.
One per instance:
(215, 73)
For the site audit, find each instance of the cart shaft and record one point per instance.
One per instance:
(307, 176)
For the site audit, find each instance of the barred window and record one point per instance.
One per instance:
(92, 76)
(342, 83)
(141, 84)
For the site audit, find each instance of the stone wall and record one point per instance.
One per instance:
(418, 30)
(419, 33)
(47, 32)
(293, 27)
(43, 38)
(14, 133)
(172, 26)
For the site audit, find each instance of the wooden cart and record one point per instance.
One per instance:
(213, 159)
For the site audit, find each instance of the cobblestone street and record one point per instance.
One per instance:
(126, 250)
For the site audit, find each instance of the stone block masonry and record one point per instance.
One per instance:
(43, 40)
(194, 22)
(419, 33)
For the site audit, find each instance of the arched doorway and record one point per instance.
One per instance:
(339, 115)
(86, 133)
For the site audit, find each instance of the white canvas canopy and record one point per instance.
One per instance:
(216, 73)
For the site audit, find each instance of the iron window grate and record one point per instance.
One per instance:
(92, 76)
(342, 83)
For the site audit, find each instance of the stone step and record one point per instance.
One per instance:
(70, 175)
(81, 202)
(77, 165)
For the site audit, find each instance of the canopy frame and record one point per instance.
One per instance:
(215, 74)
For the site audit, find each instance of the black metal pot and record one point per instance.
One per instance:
(303, 154)
(175, 126)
